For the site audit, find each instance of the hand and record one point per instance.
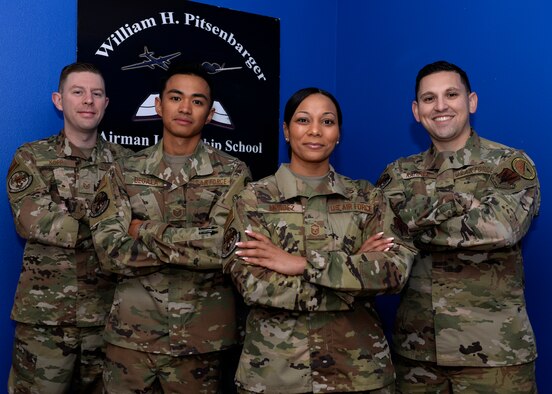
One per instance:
(376, 243)
(134, 227)
(262, 252)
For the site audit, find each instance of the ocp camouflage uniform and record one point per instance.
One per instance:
(318, 332)
(464, 302)
(172, 298)
(50, 185)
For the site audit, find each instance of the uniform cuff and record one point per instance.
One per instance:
(316, 261)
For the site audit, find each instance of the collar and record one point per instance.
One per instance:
(65, 148)
(292, 186)
(468, 155)
(199, 164)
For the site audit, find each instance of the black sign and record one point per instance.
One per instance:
(134, 44)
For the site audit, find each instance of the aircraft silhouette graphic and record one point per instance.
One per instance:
(215, 68)
(152, 61)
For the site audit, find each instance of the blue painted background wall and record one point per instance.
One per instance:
(506, 49)
(368, 53)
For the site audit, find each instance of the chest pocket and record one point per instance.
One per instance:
(146, 196)
(64, 184)
(347, 222)
(201, 195)
(199, 202)
(285, 224)
(87, 181)
(72, 179)
(473, 180)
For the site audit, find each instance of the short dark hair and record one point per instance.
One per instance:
(77, 67)
(297, 98)
(187, 69)
(439, 66)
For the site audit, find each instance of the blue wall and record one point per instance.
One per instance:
(37, 39)
(506, 49)
(368, 53)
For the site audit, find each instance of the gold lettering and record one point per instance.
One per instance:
(212, 182)
(147, 181)
(284, 208)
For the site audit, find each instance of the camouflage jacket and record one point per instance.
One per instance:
(50, 187)
(464, 303)
(172, 297)
(318, 332)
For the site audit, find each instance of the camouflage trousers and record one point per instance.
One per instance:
(384, 390)
(418, 377)
(56, 359)
(131, 371)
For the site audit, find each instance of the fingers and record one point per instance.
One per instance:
(371, 245)
(374, 237)
(253, 251)
(248, 244)
(260, 243)
(257, 236)
(376, 243)
(260, 262)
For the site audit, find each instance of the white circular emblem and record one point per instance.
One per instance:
(19, 181)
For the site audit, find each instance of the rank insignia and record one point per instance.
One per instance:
(315, 229)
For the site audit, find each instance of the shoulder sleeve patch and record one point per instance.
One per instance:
(231, 236)
(19, 181)
(383, 181)
(525, 169)
(99, 205)
(515, 174)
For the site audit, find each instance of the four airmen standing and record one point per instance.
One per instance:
(306, 248)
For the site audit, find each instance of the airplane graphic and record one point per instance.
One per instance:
(215, 68)
(152, 61)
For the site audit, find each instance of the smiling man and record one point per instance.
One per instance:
(158, 223)
(62, 299)
(462, 325)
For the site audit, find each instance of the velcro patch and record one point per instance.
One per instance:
(383, 181)
(212, 182)
(146, 181)
(19, 181)
(351, 207)
(99, 205)
(506, 179)
(525, 169)
(231, 236)
(279, 208)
